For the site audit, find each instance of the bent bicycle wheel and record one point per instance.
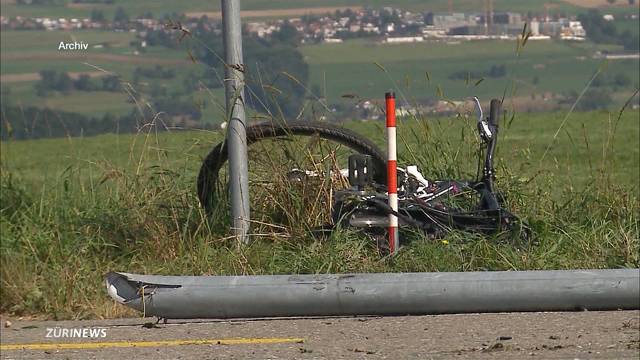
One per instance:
(294, 170)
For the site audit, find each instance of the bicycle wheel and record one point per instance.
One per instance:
(294, 169)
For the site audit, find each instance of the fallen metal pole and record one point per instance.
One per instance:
(184, 297)
(236, 133)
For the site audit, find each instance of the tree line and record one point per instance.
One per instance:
(52, 80)
(600, 30)
(276, 75)
(21, 123)
(495, 71)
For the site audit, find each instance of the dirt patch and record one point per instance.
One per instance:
(276, 12)
(131, 59)
(8, 78)
(599, 3)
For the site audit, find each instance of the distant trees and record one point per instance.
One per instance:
(97, 15)
(40, 2)
(33, 123)
(601, 31)
(495, 71)
(279, 80)
(19, 123)
(175, 106)
(111, 83)
(107, 2)
(629, 41)
(84, 83)
(287, 34)
(120, 18)
(51, 80)
(157, 72)
(619, 80)
(275, 72)
(593, 99)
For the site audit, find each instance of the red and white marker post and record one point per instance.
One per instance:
(392, 176)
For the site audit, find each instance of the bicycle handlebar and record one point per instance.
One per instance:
(483, 126)
(494, 112)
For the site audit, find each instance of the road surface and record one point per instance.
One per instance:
(570, 335)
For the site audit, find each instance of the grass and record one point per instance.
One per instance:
(73, 209)
(544, 66)
(632, 25)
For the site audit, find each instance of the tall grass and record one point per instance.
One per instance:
(59, 237)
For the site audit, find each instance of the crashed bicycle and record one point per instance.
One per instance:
(356, 195)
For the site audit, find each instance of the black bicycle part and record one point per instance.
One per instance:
(360, 170)
(485, 187)
(208, 186)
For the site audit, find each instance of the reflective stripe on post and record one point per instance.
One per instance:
(392, 176)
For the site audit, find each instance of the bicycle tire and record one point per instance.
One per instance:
(218, 156)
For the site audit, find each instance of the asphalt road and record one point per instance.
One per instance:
(574, 335)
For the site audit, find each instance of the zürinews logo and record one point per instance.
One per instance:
(59, 332)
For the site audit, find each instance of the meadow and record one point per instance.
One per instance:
(159, 8)
(420, 69)
(73, 209)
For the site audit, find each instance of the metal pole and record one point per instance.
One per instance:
(236, 133)
(184, 297)
(392, 175)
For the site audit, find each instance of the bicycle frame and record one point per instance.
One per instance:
(421, 205)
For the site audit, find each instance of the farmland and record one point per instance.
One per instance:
(158, 8)
(364, 68)
(359, 67)
(556, 67)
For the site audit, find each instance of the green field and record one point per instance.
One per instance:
(575, 157)
(359, 67)
(29, 52)
(79, 207)
(351, 68)
(161, 7)
(632, 25)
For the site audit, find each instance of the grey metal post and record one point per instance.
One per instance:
(236, 133)
(184, 297)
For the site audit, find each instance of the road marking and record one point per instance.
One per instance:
(127, 344)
